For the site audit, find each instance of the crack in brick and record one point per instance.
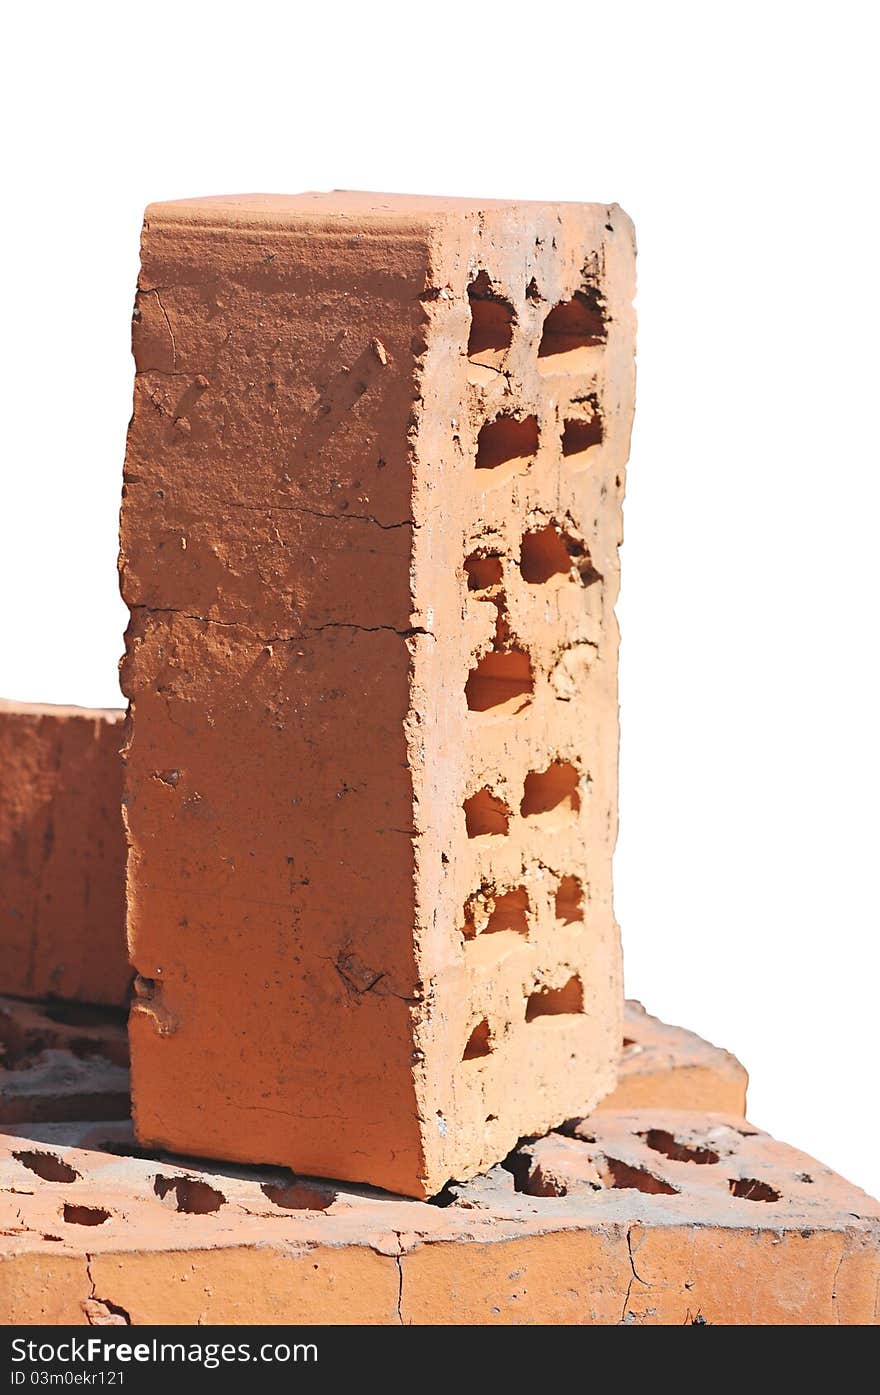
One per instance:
(168, 323)
(318, 513)
(101, 1312)
(399, 1262)
(636, 1277)
(407, 633)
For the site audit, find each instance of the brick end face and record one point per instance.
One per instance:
(369, 545)
(521, 448)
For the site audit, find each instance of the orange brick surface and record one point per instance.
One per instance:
(651, 1217)
(369, 546)
(62, 854)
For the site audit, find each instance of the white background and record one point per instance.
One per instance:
(739, 138)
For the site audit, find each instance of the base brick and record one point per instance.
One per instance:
(671, 1068)
(62, 854)
(648, 1217)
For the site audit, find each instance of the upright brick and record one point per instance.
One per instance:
(62, 854)
(369, 545)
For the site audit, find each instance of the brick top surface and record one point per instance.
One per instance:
(655, 1168)
(339, 207)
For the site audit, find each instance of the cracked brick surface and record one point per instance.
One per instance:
(62, 854)
(369, 546)
(647, 1217)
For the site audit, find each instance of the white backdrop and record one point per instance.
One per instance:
(739, 139)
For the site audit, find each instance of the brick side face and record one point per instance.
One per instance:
(369, 546)
(62, 854)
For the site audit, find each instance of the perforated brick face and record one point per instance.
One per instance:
(369, 544)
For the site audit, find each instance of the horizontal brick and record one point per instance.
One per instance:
(648, 1217)
(62, 854)
(671, 1068)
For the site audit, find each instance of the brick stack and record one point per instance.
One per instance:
(369, 546)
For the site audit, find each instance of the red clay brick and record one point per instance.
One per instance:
(369, 545)
(62, 854)
(671, 1068)
(651, 1217)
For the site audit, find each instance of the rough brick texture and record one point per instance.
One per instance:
(62, 854)
(643, 1218)
(369, 545)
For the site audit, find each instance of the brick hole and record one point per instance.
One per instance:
(571, 329)
(550, 551)
(545, 553)
(189, 1195)
(84, 1215)
(555, 789)
(47, 1166)
(479, 1043)
(447, 1196)
(750, 1189)
(502, 681)
(666, 1143)
(625, 1177)
(507, 441)
(485, 814)
(507, 910)
(556, 1002)
(532, 1182)
(297, 1196)
(491, 333)
(570, 901)
(580, 436)
(510, 912)
(483, 571)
